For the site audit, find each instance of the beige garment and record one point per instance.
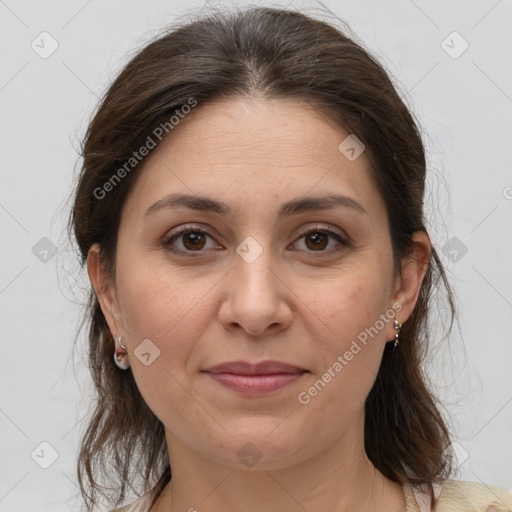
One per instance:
(452, 496)
(458, 496)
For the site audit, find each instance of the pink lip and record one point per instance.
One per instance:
(262, 368)
(256, 384)
(255, 379)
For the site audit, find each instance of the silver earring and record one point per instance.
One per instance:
(118, 339)
(121, 360)
(398, 326)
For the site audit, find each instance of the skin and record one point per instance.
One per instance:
(287, 305)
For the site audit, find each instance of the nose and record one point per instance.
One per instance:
(257, 298)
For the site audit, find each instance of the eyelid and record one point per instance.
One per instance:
(342, 239)
(325, 228)
(186, 228)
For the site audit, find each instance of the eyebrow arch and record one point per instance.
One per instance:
(293, 207)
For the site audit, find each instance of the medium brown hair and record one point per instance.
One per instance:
(265, 53)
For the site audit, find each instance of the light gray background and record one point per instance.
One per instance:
(464, 105)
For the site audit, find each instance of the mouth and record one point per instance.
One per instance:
(255, 379)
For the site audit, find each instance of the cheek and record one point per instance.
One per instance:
(349, 338)
(349, 351)
(346, 308)
(157, 300)
(172, 313)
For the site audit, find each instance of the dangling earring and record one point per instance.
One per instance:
(398, 326)
(121, 360)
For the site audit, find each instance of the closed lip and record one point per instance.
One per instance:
(268, 367)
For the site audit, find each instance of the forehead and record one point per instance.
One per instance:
(280, 131)
(236, 149)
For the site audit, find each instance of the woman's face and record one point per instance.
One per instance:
(247, 181)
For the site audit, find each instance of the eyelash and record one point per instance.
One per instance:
(195, 229)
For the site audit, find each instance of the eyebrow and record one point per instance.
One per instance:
(293, 207)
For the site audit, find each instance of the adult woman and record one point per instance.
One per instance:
(250, 211)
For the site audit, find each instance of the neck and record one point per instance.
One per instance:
(341, 478)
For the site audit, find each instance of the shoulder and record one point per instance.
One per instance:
(464, 496)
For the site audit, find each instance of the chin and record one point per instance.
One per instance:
(262, 449)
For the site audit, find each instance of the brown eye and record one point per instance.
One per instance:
(193, 240)
(317, 240)
(188, 240)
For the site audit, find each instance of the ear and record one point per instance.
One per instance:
(408, 283)
(105, 291)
